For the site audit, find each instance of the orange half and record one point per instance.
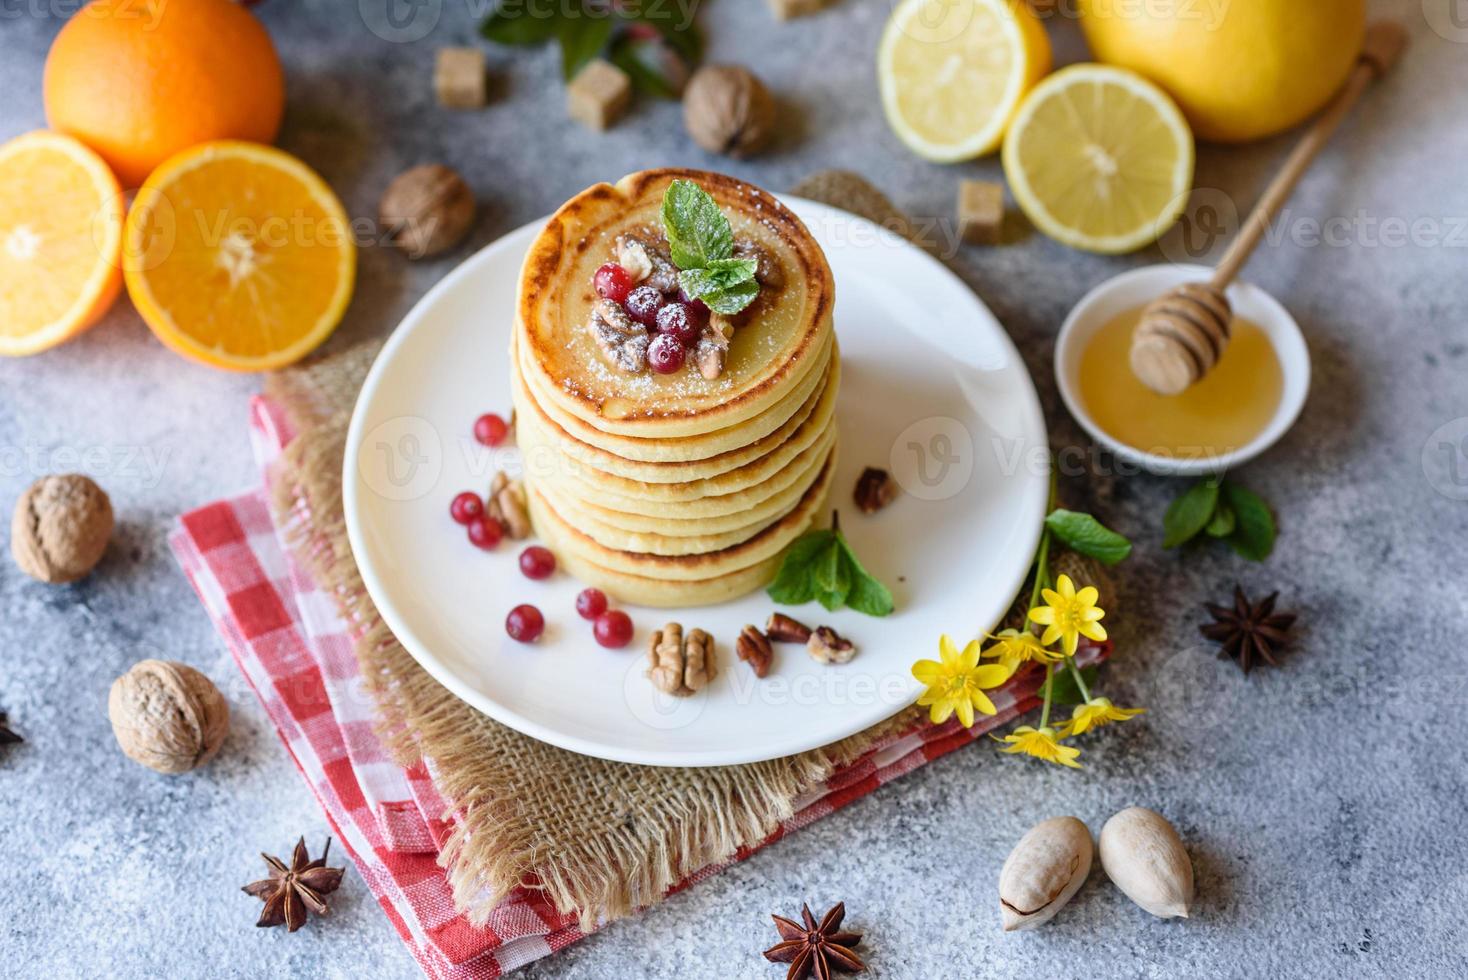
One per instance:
(60, 238)
(239, 256)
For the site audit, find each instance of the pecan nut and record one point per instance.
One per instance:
(509, 507)
(875, 489)
(622, 339)
(786, 629)
(645, 255)
(754, 649)
(828, 647)
(679, 665)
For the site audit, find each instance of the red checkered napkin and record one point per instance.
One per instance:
(296, 653)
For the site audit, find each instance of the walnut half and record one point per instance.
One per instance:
(622, 339)
(679, 665)
(826, 646)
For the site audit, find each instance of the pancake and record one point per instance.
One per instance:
(768, 356)
(726, 493)
(686, 580)
(673, 536)
(679, 460)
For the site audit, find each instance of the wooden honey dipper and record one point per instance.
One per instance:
(1182, 333)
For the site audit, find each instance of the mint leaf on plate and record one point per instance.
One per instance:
(821, 566)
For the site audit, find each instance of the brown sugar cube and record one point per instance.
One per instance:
(980, 211)
(458, 78)
(599, 94)
(788, 9)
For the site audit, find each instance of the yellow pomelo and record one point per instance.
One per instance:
(1099, 158)
(1239, 69)
(952, 73)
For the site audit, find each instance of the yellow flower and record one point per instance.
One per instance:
(1095, 713)
(1041, 743)
(1014, 647)
(1069, 615)
(957, 683)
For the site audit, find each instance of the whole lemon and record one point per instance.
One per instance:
(140, 80)
(1239, 69)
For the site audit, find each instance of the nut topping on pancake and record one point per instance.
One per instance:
(622, 339)
(645, 257)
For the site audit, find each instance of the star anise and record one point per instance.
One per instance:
(7, 737)
(1248, 630)
(815, 949)
(288, 892)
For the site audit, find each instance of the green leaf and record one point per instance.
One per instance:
(1085, 535)
(731, 301)
(674, 25)
(698, 233)
(821, 566)
(582, 37)
(1190, 513)
(517, 24)
(1222, 524)
(654, 66)
(1254, 533)
(866, 595)
(1063, 687)
(794, 583)
(717, 277)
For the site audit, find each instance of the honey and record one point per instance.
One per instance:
(1222, 412)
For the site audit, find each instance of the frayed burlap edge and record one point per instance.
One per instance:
(600, 838)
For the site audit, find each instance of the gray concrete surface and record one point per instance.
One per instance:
(1321, 802)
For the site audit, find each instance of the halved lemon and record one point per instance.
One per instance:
(953, 72)
(60, 238)
(1099, 158)
(239, 256)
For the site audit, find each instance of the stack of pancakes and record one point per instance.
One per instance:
(674, 490)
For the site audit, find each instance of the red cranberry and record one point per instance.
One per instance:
(665, 354)
(700, 308)
(466, 507)
(525, 623)
(590, 603)
(537, 562)
(679, 321)
(490, 429)
(613, 282)
(613, 629)
(485, 532)
(643, 304)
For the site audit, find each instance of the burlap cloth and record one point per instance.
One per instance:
(601, 838)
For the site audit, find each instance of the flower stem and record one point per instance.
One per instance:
(1080, 681)
(1045, 711)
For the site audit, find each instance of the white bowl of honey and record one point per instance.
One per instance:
(1240, 408)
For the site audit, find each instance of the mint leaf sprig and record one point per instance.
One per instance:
(820, 565)
(1220, 509)
(701, 242)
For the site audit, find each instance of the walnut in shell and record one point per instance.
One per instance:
(167, 716)
(61, 528)
(427, 210)
(726, 109)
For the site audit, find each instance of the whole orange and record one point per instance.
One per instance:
(140, 80)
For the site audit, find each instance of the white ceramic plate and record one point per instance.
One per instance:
(932, 389)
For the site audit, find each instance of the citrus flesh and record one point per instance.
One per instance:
(60, 237)
(1100, 159)
(238, 255)
(952, 73)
